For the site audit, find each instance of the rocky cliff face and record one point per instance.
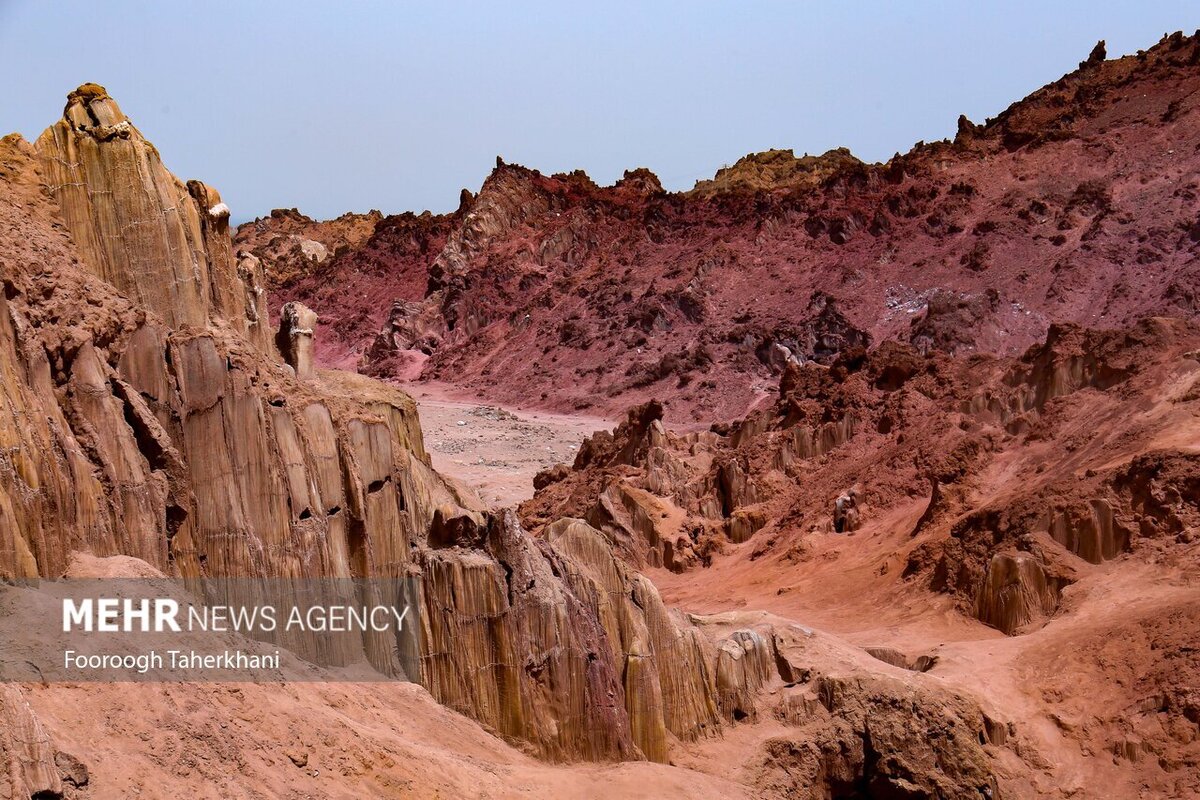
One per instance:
(163, 426)
(969, 522)
(1074, 205)
(146, 414)
(162, 244)
(169, 429)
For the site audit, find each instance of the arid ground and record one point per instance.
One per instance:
(823, 479)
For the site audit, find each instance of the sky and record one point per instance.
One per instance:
(349, 106)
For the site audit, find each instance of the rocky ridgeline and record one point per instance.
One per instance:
(149, 413)
(902, 423)
(1075, 205)
(1074, 463)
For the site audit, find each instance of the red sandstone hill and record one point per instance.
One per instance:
(918, 570)
(1076, 204)
(903, 499)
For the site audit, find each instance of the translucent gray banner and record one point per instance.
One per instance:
(233, 629)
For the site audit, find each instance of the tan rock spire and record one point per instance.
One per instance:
(162, 243)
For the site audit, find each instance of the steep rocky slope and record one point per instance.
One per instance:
(1077, 204)
(909, 500)
(949, 554)
(194, 447)
(152, 424)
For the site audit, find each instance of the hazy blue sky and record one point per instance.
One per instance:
(357, 105)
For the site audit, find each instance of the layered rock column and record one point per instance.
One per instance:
(297, 326)
(161, 243)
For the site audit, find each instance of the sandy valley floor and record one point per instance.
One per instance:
(494, 450)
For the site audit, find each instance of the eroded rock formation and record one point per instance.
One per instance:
(25, 751)
(549, 289)
(161, 427)
(162, 244)
(145, 415)
(149, 414)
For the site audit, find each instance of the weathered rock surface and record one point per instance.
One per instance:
(1075, 205)
(161, 427)
(905, 421)
(26, 752)
(297, 326)
(146, 417)
(162, 244)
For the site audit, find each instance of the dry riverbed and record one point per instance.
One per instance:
(494, 450)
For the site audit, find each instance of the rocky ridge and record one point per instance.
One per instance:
(1074, 205)
(1006, 492)
(149, 417)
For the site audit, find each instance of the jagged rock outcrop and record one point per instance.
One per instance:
(161, 426)
(189, 447)
(297, 326)
(26, 752)
(775, 170)
(846, 729)
(549, 289)
(781, 474)
(162, 244)
(1016, 591)
(296, 245)
(564, 625)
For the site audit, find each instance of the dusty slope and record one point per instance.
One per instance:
(1054, 498)
(1076, 204)
(149, 417)
(227, 741)
(1006, 605)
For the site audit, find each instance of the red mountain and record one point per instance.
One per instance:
(1076, 204)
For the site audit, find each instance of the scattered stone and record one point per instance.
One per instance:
(72, 771)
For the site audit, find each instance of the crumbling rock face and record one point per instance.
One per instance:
(561, 623)
(1015, 591)
(663, 500)
(745, 664)
(1162, 490)
(189, 446)
(1072, 358)
(1002, 573)
(1012, 563)
(951, 322)
(855, 732)
(629, 443)
(297, 325)
(663, 656)
(161, 243)
(26, 752)
(674, 500)
(542, 288)
(1090, 532)
(171, 435)
(503, 610)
